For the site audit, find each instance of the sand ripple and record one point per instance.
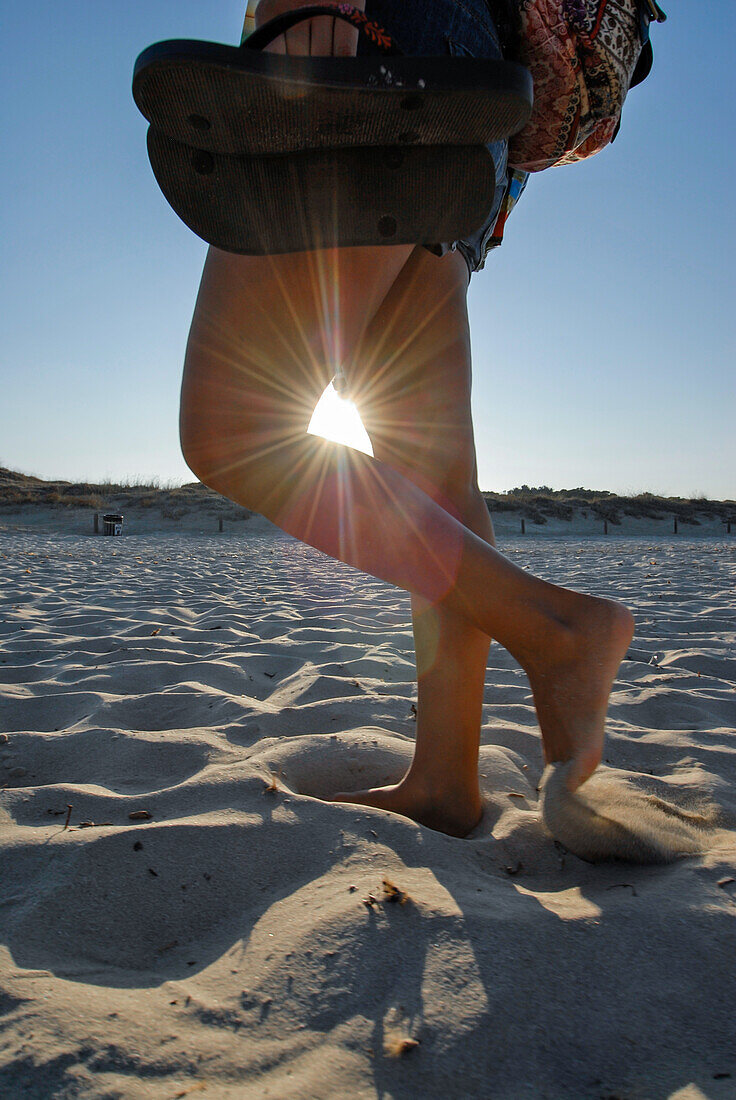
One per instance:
(206, 922)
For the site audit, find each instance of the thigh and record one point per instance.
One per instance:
(269, 332)
(411, 376)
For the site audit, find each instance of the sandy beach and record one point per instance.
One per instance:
(181, 915)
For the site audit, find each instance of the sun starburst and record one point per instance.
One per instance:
(337, 419)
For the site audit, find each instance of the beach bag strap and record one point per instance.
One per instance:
(583, 55)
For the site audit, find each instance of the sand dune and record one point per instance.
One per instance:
(205, 924)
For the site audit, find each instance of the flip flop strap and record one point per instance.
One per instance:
(378, 38)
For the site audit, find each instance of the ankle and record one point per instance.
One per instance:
(445, 787)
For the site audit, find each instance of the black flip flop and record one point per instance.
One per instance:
(234, 100)
(325, 198)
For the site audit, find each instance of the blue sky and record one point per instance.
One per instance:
(604, 330)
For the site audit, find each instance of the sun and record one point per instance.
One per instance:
(338, 419)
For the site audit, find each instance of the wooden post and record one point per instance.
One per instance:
(605, 526)
(674, 525)
(523, 527)
(728, 527)
(221, 524)
(97, 523)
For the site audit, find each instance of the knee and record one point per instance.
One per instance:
(456, 473)
(213, 432)
(221, 451)
(442, 465)
(440, 449)
(199, 427)
(194, 447)
(459, 494)
(221, 459)
(236, 436)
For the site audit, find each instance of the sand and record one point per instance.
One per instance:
(200, 923)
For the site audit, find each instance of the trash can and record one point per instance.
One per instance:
(112, 524)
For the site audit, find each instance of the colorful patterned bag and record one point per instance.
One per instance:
(584, 55)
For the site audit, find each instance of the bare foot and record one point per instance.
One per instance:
(572, 681)
(456, 816)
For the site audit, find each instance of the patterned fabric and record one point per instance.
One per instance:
(582, 55)
(517, 182)
(358, 18)
(377, 35)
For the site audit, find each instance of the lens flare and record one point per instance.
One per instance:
(338, 420)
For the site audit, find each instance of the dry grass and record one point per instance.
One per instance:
(542, 503)
(534, 504)
(173, 502)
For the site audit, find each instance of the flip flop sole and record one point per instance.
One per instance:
(318, 199)
(232, 101)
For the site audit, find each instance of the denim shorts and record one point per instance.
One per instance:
(432, 28)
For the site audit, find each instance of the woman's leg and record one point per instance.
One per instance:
(415, 404)
(259, 354)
